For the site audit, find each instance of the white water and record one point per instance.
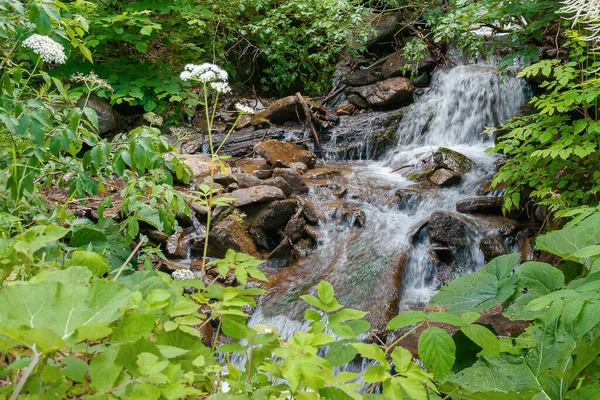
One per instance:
(359, 262)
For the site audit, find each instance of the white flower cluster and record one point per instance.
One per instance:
(153, 118)
(182, 274)
(586, 12)
(220, 87)
(204, 73)
(242, 109)
(92, 80)
(48, 49)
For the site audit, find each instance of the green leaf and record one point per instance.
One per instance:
(501, 267)
(104, 371)
(332, 393)
(340, 353)
(347, 314)
(370, 351)
(61, 308)
(75, 369)
(376, 373)
(437, 351)
(401, 358)
(325, 291)
(406, 319)
(92, 261)
(484, 338)
(141, 47)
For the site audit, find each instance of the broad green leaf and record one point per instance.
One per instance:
(501, 267)
(437, 351)
(92, 261)
(401, 358)
(376, 373)
(61, 308)
(483, 337)
(104, 371)
(347, 314)
(75, 369)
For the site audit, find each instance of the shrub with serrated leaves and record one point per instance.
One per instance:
(553, 153)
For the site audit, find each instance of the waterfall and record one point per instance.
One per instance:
(384, 266)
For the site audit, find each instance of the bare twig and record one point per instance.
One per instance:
(308, 122)
(142, 240)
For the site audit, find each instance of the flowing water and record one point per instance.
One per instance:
(383, 266)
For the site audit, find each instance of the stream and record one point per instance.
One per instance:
(373, 250)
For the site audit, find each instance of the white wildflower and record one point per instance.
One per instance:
(220, 87)
(204, 73)
(182, 274)
(92, 80)
(242, 109)
(586, 12)
(153, 118)
(48, 49)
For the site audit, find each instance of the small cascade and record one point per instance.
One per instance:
(373, 248)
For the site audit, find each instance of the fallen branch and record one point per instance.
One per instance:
(308, 122)
(343, 87)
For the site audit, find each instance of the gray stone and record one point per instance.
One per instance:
(256, 194)
(294, 179)
(492, 247)
(280, 183)
(263, 174)
(294, 230)
(107, 116)
(362, 77)
(453, 160)
(480, 205)
(450, 229)
(391, 92)
(229, 234)
(271, 216)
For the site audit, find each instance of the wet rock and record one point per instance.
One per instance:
(233, 186)
(107, 116)
(281, 256)
(280, 183)
(285, 152)
(422, 80)
(177, 245)
(490, 224)
(396, 63)
(310, 212)
(441, 255)
(452, 159)
(313, 232)
(294, 179)
(184, 220)
(445, 177)
(405, 196)
(245, 181)
(321, 173)
(358, 101)
(480, 205)
(224, 179)
(256, 194)
(271, 216)
(157, 237)
(415, 231)
(362, 77)
(450, 228)
(299, 167)
(263, 174)
(393, 91)
(346, 109)
(492, 247)
(282, 110)
(221, 212)
(260, 238)
(294, 230)
(230, 234)
(359, 218)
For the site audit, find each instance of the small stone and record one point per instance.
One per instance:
(480, 205)
(294, 179)
(294, 229)
(284, 152)
(444, 177)
(263, 174)
(450, 229)
(280, 183)
(224, 179)
(230, 234)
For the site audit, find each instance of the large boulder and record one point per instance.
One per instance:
(229, 234)
(284, 152)
(280, 111)
(396, 63)
(393, 91)
(271, 216)
(107, 116)
(256, 194)
(453, 160)
(480, 205)
(493, 246)
(450, 229)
